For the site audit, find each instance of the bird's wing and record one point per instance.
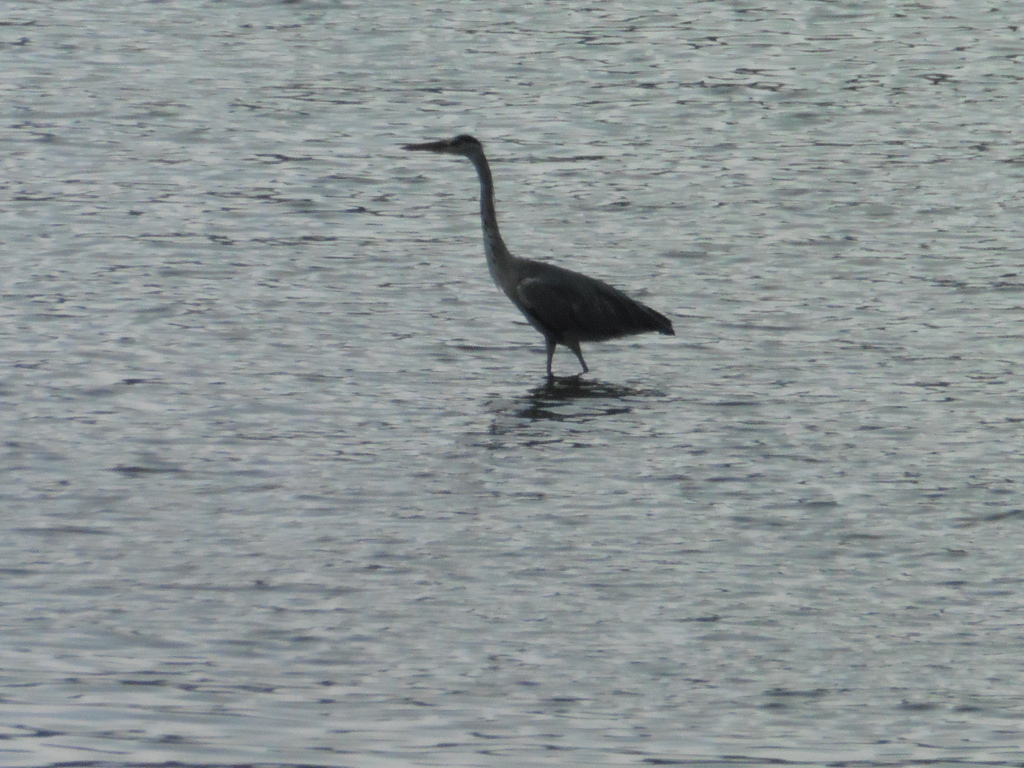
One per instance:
(565, 302)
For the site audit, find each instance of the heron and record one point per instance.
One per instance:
(566, 307)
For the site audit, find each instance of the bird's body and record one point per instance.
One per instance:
(566, 307)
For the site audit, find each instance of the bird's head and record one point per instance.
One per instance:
(463, 145)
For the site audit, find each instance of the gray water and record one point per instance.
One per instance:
(282, 481)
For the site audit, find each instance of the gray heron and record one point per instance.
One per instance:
(565, 306)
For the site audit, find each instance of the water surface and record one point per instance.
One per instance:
(283, 482)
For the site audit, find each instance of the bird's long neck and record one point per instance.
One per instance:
(498, 256)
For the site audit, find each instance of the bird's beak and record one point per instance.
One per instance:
(443, 146)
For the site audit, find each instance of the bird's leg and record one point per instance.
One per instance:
(551, 353)
(575, 347)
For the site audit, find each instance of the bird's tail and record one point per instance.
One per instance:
(659, 322)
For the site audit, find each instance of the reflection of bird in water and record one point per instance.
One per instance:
(565, 306)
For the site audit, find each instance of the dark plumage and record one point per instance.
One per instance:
(566, 307)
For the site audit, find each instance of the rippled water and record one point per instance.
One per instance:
(282, 481)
